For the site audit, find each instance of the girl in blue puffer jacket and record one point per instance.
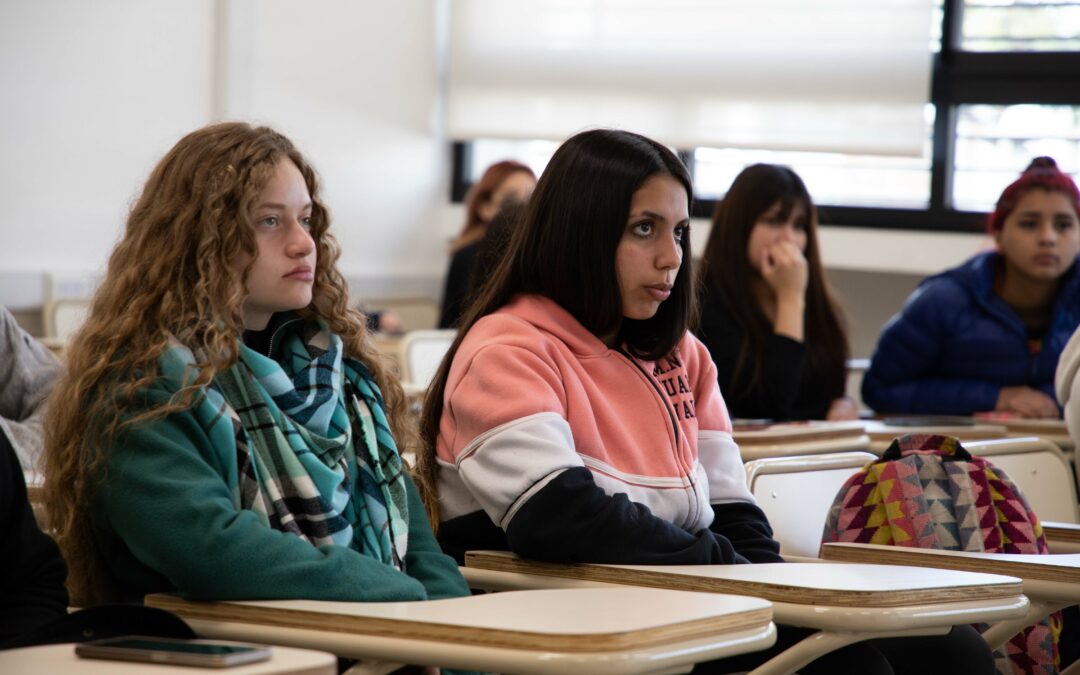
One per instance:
(986, 336)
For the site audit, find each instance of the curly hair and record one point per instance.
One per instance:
(173, 275)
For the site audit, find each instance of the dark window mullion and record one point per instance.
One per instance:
(460, 168)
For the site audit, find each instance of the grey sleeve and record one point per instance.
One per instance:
(27, 372)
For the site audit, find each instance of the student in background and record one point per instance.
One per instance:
(986, 336)
(493, 246)
(225, 429)
(27, 372)
(503, 182)
(32, 572)
(575, 418)
(1067, 384)
(768, 316)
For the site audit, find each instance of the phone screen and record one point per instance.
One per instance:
(162, 650)
(179, 647)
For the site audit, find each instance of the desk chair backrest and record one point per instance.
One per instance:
(415, 313)
(421, 353)
(1041, 471)
(65, 316)
(35, 494)
(796, 493)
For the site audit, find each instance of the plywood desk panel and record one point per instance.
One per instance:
(598, 630)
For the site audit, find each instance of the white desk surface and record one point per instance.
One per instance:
(597, 630)
(881, 434)
(840, 585)
(50, 659)
(833, 597)
(800, 438)
(846, 603)
(1055, 574)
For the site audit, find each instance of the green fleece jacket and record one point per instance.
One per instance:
(167, 521)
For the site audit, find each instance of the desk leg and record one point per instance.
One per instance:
(999, 633)
(820, 644)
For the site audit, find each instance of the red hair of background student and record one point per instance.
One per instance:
(1042, 174)
(481, 192)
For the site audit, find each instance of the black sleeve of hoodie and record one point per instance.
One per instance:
(747, 528)
(32, 573)
(572, 520)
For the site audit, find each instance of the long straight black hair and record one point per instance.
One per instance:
(564, 249)
(727, 275)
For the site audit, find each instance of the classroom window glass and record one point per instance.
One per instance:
(994, 143)
(1020, 25)
(486, 151)
(832, 178)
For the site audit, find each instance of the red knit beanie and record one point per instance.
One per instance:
(1044, 174)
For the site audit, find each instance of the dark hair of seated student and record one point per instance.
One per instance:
(501, 183)
(576, 419)
(493, 246)
(768, 316)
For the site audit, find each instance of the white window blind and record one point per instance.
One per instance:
(847, 76)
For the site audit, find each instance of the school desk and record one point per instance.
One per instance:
(882, 434)
(596, 630)
(62, 659)
(800, 438)
(844, 603)
(1062, 537)
(1051, 582)
(1054, 430)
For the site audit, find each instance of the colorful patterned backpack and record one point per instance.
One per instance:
(929, 492)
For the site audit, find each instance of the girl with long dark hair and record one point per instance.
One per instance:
(768, 316)
(576, 419)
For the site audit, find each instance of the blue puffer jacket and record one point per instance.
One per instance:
(955, 344)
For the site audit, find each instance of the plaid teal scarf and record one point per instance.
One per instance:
(314, 452)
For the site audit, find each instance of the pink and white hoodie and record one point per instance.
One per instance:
(532, 394)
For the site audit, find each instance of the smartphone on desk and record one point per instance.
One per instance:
(205, 653)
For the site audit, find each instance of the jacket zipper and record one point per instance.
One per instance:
(675, 430)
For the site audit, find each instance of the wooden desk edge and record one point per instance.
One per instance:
(1064, 532)
(681, 632)
(772, 592)
(764, 437)
(900, 555)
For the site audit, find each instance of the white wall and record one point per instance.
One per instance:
(95, 92)
(355, 84)
(92, 94)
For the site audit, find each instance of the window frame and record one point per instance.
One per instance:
(957, 78)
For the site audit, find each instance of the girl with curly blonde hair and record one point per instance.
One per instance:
(226, 429)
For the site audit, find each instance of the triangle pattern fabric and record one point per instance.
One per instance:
(929, 492)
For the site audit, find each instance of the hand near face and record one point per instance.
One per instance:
(1026, 402)
(783, 267)
(842, 409)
